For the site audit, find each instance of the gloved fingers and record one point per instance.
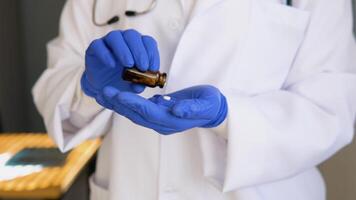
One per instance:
(152, 112)
(116, 43)
(144, 107)
(222, 114)
(137, 88)
(106, 97)
(157, 114)
(138, 119)
(196, 109)
(154, 98)
(152, 52)
(86, 87)
(109, 94)
(134, 42)
(182, 94)
(97, 49)
(101, 100)
(163, 100)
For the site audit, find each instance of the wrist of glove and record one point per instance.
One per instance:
(199, 106)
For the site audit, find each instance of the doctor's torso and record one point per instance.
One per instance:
(287, 74)
(199, 43)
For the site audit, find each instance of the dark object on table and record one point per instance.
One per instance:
(47, 157)
(148, 78)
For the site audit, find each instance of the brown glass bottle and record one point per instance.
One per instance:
(148, 78)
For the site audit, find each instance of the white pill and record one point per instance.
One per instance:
(167, 98)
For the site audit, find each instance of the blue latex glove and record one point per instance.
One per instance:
(199, 106)
(106, 58)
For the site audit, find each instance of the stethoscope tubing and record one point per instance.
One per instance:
(132, 13)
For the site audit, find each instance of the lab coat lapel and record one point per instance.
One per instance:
(203, 5)
(205, 18)
(244, 42)
(200, 6)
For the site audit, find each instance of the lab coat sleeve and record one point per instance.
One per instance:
(278, 134)
(70, 116)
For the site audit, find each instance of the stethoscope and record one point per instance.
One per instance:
(128, 13)
(134, 13)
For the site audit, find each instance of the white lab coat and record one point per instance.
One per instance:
(288, 75)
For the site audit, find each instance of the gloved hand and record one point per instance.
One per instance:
(199, 106)
(106, 58)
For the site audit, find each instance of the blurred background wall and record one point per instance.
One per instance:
(12, 74)
(25, 28)
(38, 24)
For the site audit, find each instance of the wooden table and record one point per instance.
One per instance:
(50, 182)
